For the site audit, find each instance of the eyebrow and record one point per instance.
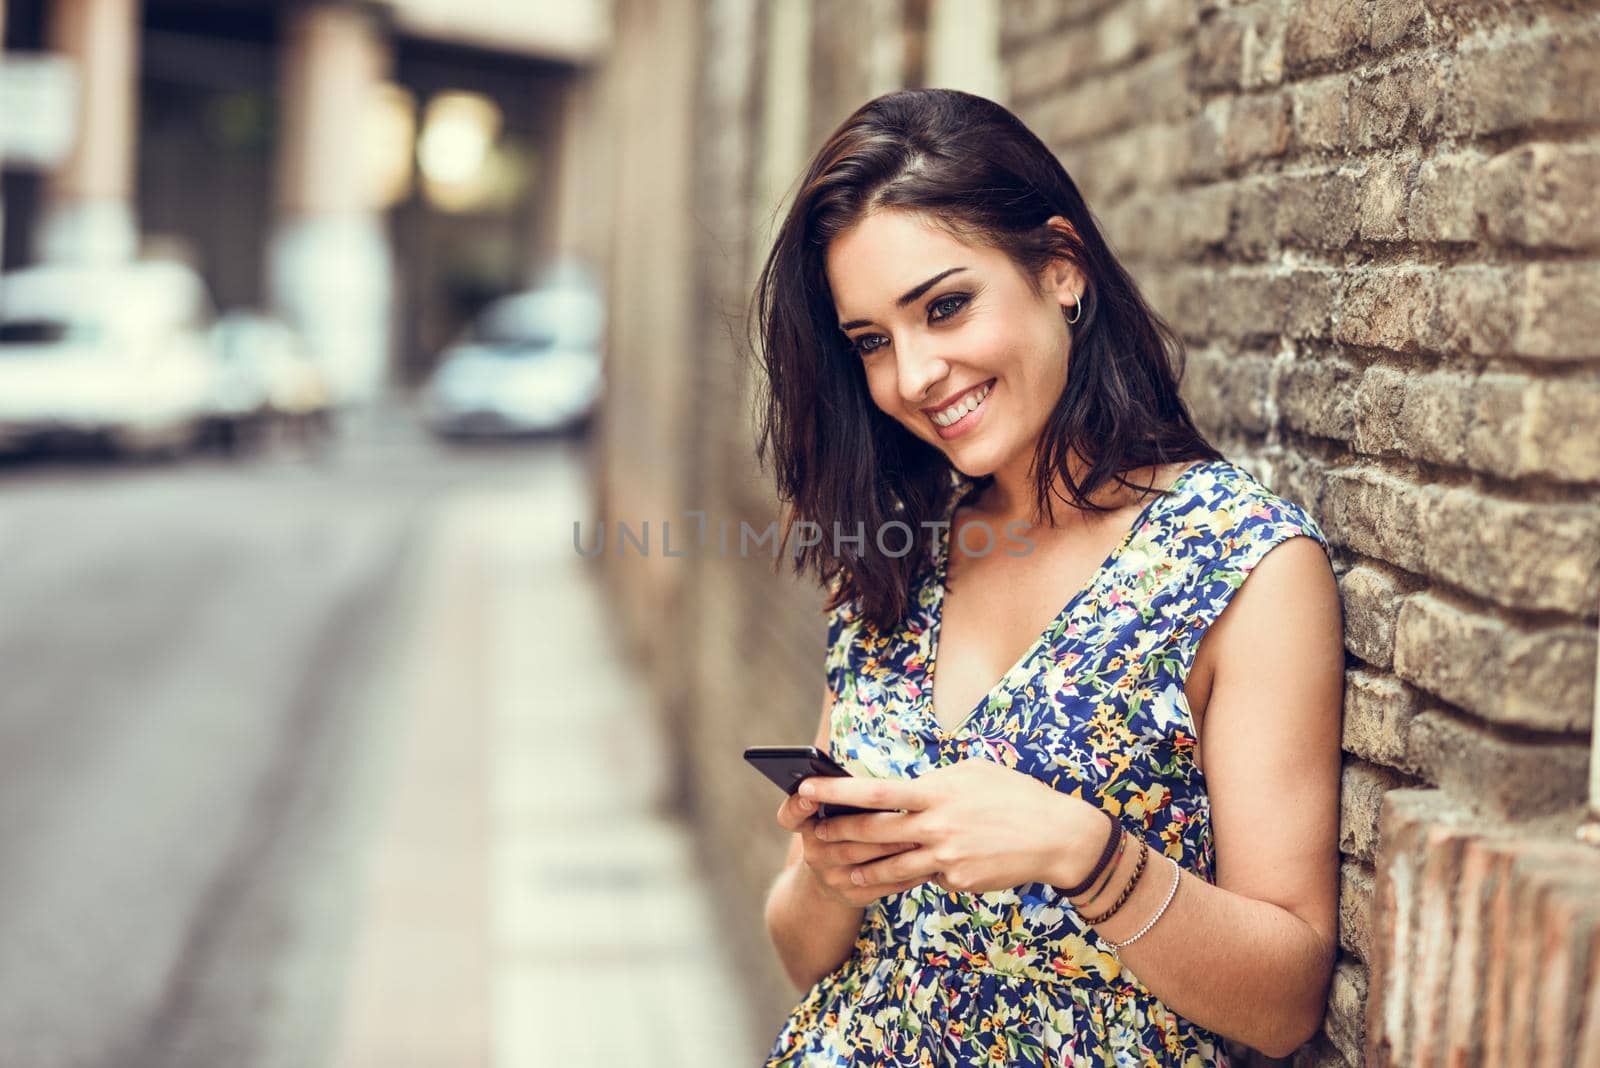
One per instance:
(906, 298)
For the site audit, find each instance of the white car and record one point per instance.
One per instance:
(118, 354)
(530, 363)
(265, 377)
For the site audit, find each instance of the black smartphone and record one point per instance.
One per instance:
(787, 765)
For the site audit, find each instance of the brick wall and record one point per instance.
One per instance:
(1374, 223)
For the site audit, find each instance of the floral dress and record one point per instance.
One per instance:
(1095, 708)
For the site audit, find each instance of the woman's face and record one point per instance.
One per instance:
(955, 343)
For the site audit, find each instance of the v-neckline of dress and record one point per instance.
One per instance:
(939, 579)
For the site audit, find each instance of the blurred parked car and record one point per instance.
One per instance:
(114, 354)
(265, 379)
(529, 363)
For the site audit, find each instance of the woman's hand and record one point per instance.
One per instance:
(831, 863)
(978, 826)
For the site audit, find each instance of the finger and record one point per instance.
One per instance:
(868, 827)
(888, 794)
(794, 812)
(843, 854)
(917, 864)
(867, 895)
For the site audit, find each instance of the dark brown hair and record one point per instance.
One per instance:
(971, 167)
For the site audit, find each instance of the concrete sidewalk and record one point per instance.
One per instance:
(529, 904)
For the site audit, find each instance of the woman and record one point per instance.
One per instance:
(968, 392)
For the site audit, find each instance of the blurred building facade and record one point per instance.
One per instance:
(373, 172)
(1373, 224)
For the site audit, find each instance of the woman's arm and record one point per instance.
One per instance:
(813, 933)
(1252, 956)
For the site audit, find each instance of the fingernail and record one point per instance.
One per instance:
(806, 805)
(806, 789)
(857, 878)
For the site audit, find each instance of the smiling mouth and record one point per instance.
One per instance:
(946, 417)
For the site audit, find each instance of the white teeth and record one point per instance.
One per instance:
(962, 407)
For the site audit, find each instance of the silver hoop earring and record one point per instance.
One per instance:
(1077, 308)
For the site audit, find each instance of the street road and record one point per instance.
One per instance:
(192, 742)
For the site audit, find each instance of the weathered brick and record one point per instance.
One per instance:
(1560, 431)
(1318, 108)
(1202, 218)
(1188, 298)
(1145, 226)
(1204, 155)
(1262, 46)
(1544, 878)
(1442, 207)
(1542, 196)
(1425, 416)
(1504, 424)
(1129, 32)
(1511, 779)
(1469, 957)
(1155, 89)
(1499, 935)
(1026, 19)
(1390, 308)
(1318, 210)
(1312, 292)
(1371, 605)
(1249, 305)
(1163, 155)
(1314, 397)
(1049, 61)
(1346, 1022)
(1476, 309)
(1560, 311)
(1255, 210)
(1320, 1052)
(1355, 908)
(1228, 392)
(1403, 101)
(1495, 432)
(1568, 932)
(1218, 52)
(1512, 83)
(1258, 128)
(1395, 23)
(1444, 845)
(1321, 32)
(1377, 515)
(1487, 666)
(1404, 928)
(1383, 193)
(1377, 719)
(1361, 790)
(1528, 556)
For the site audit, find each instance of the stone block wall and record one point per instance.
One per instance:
(1374, 224)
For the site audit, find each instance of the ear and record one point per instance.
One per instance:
(1063, 279)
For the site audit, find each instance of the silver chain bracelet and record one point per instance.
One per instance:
(1177, 874)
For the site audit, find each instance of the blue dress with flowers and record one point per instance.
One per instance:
(1095, 708)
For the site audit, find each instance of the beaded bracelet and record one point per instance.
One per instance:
(1105, 857)
(1138, 870)
(1177, 876)
(1111, 871)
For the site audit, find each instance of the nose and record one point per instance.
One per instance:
(921, 367)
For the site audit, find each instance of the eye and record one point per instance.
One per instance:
(860, 346)
(954, 302)
(947, 306)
